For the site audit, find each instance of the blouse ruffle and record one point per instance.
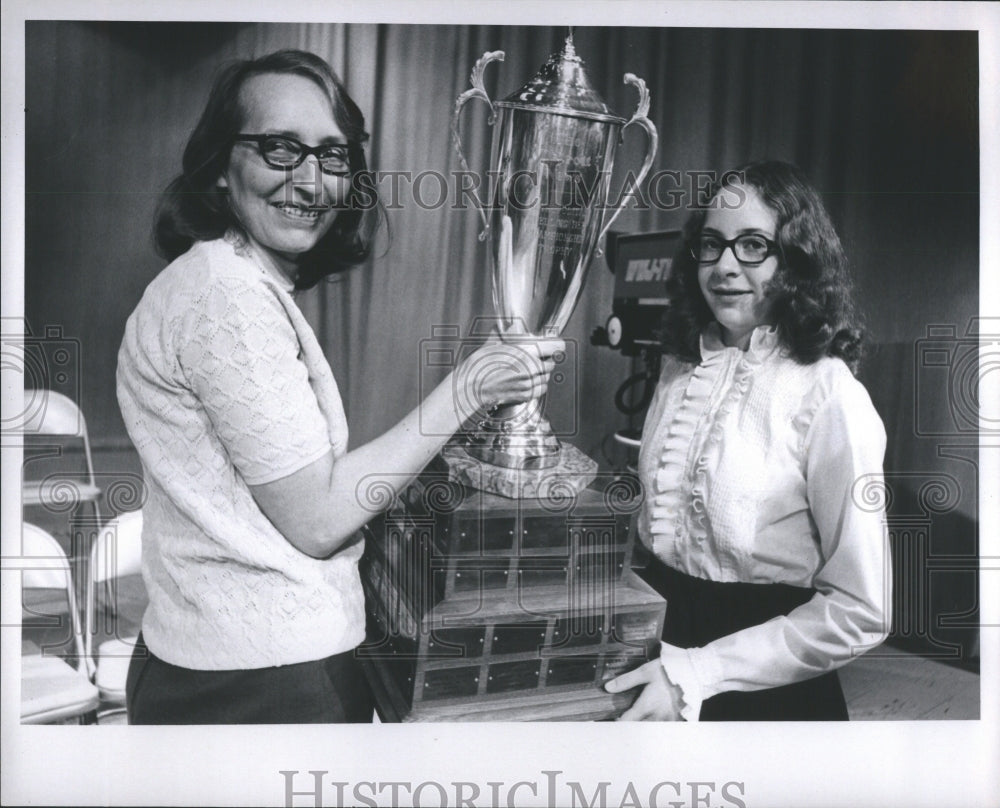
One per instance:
(693, 439)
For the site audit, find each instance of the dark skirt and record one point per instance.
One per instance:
(328, 691)
(700, 611)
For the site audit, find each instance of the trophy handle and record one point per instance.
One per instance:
(652, 136)
(477, 91)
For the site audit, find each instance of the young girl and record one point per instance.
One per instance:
(775, 575)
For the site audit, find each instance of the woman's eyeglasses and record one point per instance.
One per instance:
(749, 249)
(281, 151)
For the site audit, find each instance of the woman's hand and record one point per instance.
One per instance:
(659, 700)
(318, 508)
(505, 373)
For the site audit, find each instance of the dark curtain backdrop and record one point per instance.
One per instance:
(885, 122)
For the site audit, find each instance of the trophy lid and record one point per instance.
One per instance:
(562, 87)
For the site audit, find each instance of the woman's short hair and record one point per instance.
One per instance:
(193, 208)
(810, 292)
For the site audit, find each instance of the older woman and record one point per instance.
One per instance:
(774, 575)
(250, 543)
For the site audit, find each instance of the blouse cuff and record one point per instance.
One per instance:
(681, 673)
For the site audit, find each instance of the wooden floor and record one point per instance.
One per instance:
(907, 687)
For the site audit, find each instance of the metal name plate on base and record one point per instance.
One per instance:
(485, 608)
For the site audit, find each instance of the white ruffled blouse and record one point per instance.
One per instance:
(760, 469)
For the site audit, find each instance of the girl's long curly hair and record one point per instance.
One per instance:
(810, 292)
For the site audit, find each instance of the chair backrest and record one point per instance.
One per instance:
(50, 413)
(44, 565)
(117, 550)
(48, 567)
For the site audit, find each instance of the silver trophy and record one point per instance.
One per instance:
(553, 150)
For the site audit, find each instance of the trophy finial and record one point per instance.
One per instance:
(562, 86)
(569, 51)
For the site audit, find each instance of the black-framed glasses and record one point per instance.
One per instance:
(750, 248)
(282, 151)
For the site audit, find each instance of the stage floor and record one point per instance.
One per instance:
(907, 687)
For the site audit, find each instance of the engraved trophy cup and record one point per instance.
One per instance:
(552, 154)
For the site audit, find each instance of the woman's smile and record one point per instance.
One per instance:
(302, 214)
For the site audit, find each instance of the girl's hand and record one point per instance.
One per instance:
(506, 373)
(659, 700)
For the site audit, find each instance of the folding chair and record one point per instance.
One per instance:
(52, 414)
(116, 554)
(52, 690)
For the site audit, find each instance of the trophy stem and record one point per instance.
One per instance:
(515, 436)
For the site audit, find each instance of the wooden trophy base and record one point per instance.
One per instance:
(570, 705)
(573, 473)
(485, 608)
(490, 657)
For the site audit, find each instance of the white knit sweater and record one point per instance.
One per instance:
(222, 385)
